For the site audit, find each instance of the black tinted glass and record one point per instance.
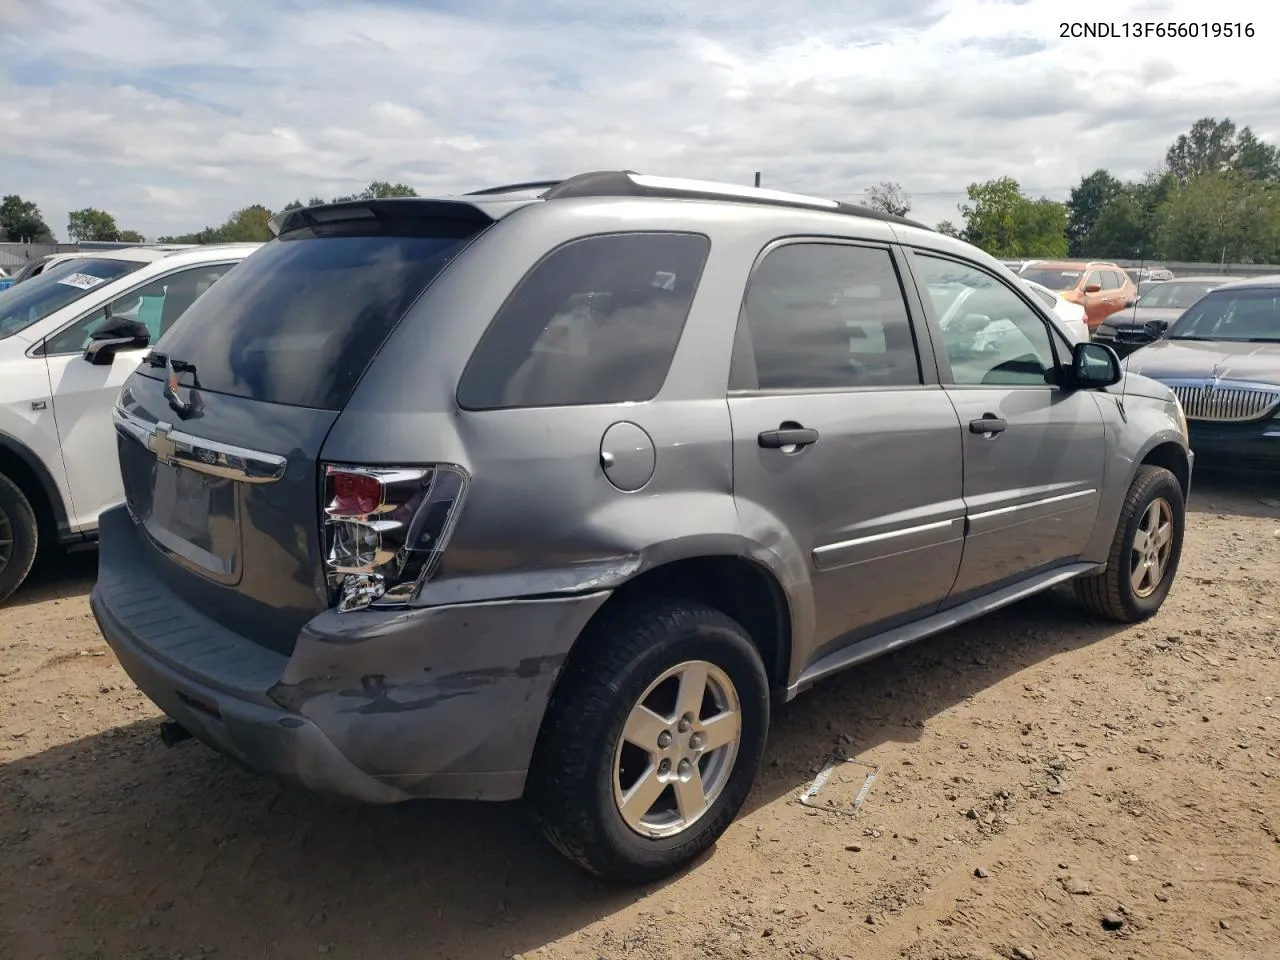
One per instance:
(819, 316)
(596, 321)
(1239, 315)
(299, 320)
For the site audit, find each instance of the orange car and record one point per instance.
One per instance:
(1101, 288)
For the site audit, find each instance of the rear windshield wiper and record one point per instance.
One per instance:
(155, 359)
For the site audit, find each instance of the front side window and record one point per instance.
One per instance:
(157, 305)
(995, 338)
(1240, 316)
(59, 286)
(1094, 279)
(596, 321)
(821, 316)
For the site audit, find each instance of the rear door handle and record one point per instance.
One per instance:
(988, 424)
(787, 437)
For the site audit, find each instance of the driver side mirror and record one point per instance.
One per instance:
(1092, 288)
(118, 333)
(1093, 365)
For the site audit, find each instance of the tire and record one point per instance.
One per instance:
(583, 766)
(1113, 593)
(19, 537)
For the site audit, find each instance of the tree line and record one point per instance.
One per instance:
(1214, 198)
(22, 222)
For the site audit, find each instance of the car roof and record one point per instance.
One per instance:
(1200, 278)
(152, 254)
(1272, 280)
(1071, 264)
(493, 203)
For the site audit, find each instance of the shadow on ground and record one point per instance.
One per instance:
(57, 576)
(127, 849)
(1241, 495)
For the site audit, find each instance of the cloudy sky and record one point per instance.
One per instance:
(171, 113)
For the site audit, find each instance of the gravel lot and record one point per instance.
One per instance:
(1043, 778)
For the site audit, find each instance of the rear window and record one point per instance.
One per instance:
(299, 320)
(60, 285)
(596, 321)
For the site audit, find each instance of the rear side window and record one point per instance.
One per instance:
(823, 316)
(299, 320)
(595, 321)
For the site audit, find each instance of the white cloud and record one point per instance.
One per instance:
(172, 115)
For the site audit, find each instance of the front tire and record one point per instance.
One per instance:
(1144, 553)
(652, 741)
(19, 537)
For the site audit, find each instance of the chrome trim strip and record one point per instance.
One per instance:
(877, 537)
(210, 457)
(1060, 498)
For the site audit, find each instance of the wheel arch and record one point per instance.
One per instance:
(32, 477)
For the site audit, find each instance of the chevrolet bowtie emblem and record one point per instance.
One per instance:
(161, 445)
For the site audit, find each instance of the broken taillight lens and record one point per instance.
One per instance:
(385, 529)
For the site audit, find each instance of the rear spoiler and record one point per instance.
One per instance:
(406, 212)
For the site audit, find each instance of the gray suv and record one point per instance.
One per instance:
(555, 490)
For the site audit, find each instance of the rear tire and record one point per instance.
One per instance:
(628, 781)
(19, 537)
(1144, 556)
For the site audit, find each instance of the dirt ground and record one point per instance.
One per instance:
(1042, 777)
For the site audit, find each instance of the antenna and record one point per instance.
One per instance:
(1124, 380)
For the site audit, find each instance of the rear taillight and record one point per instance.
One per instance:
(385, 529)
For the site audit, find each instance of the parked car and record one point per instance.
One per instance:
(1140, 275)
(1222, 359)
(1155, 310)
(69, 338)
(1101, 288)
(1070, 315)
(6, 281)
(557, 491)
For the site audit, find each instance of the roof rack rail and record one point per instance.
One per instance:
(627, 183)
(513, 187)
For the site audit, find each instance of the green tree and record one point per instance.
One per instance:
(1220, 216)
(247, 225)
(1085, 206)
(890, 198)
(379, 190)
(1006, 224)
(947, 229)
(20, 221)
(1120, 231)
(91, 224)
(132, 236)
(1256, 159)
(1208, 147)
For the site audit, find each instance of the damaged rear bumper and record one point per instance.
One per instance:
(380, 707)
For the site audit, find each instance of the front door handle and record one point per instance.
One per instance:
(787, 437)
(989, 424)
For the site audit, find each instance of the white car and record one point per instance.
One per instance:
(960, 300)
(1070, 315)
(69, 338)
